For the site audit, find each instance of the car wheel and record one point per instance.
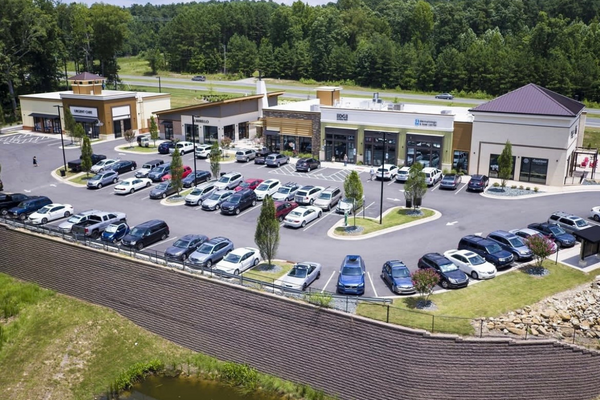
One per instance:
(319, 214)
(236, 272)
(95, 235)
(394, 288)
(67, 214)
(444, 284)
(474, 275)
(312, 201)
(217, 207)
(114, 241)
(255, 263)
(44, 220)
(140, 246)
(4, 211)
(164, 236)
(183, 257)
(278, 165)
(303, 287)
(209, 264)
(237, 211)
(318, 275)
(280, 219)
(99, 186)
(115, 180)
(163, 195)
(597, 218)
(132, 168)
(131, 191)
(303, 224)
(308, 170)
(247, 159)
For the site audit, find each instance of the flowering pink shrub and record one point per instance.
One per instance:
(424, 281)
(541, 247)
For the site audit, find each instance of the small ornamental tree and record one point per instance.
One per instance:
(215, 160)
(424, 281)
(266, 236)
(505, 164)
(86, 153)
(69, 123)
(129, 136)
(415, 186)
(353, 188)
(176, 170)
(153, 130)
(541, 247)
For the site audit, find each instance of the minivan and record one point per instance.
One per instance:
(157, 173)
(147, 167)
(28, 206)
(328, 198)
(239, 201)
(513, 243)
(146, 233)
(487, 249)
(569, 222)
(245, 155)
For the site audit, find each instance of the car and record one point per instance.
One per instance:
(194, 179)
(199, 78)
(301, 276)
(487, 249)
(386, 171)
(186, 171)
(146, 233)
(9, 200)
(1, 185)
(595, 213)
(444, 96)
(397, 276)
(251, 183)
(184, 246)
(554, 232)
(402, 174)
(513, 243)
(102, 165)
(238, 202)
(526, 233)
(210, 252)
(283, 208)
(75, 219)
(102, 178)
(348, 205)
(328, 198)
(245, 155)
(130, 185)
(165, 147)
(123, 166)
(28, 206)
(432, 175)
(115, 232)
(307, 164)
(308, 194)
(478, 183)
(238, 261)
(50, 212)
(351, 278)
(143, 140)
(569, 222)
(200, 193)
(286, 191)
(229, 180)
(450, 275)
(147, 167)
(450, 181)
(302, 215)
(213, 202)
(75, 165)
(276, 160)
(472, 264)
(203, 151)
(163, 190)
(183, 147)
(267, 188)
(157, 173)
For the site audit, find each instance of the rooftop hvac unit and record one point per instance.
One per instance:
(398, 106)
(315, 107)
(446, 112)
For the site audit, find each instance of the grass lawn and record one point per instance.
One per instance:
(492, 298)
(591, 138)
(82, 179)
(397, 216)
(69, 174)
(269, 275)
(139, 149)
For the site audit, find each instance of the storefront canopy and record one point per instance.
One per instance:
(41, 115)
(91, 120)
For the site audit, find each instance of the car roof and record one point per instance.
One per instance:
(396, 264)
(190, 236)
(217, 239)
(429, 169)
(241, 250)
(502, 233)
(477, 176)
(352, 258)
(307, 187)
(436, 257)
(406, 169)
(330, 189)
(271, 181)
(466, 253)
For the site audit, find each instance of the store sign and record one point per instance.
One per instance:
(342, 117)
(197, 120)
(84, 111)
(122, 111)
(424, 122)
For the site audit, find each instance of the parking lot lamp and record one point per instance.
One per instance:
(194, 140)
(62, 142)
(381, 196)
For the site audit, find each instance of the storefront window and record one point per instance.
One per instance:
(168, 128)
(426, 149)
(340, 143)
(495, 168)
(534, 170)
(211, 134)
(460, 161)
(192, 131)
(273, 141)
(229, 131)
(243, 130)
(378, 151)
(305, 145)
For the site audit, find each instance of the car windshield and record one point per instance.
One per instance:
(402, 172)
(232, 258)
(205, 249)
(96, 177)
(182, 244)
(162, 186)
(516, 242)
(556, 230)
(214, 196)
(476, 260)
(75, 219)
(299, 271)
(245, 184)
(196, 192)
(284, 190)
(325, 196)
(111, 228)
(296, 213)
(224, 179)
(147, 166)
(351, 271)
(493, 248)
(449, 178)
(136, 232)
(400, 273)
(156, 169)
(580, 223)
(44, 210)
(262, 187)
(347, 200)
(448, 267)
(235, 198)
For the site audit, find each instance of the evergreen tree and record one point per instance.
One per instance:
(415, 186)
(86, 151)
(505, 164)
(176, 170)
(69, 123)
(267, 231)
(154, 130)
(215, 160)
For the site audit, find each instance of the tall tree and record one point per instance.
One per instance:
(176, 170)
(154, 130)
(266, 236)
(110, 30)
(505, 164)
(415, 186)
(353, 188)
(129, 136)
(86, 151)
(215, 160)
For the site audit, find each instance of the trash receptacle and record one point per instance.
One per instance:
(63, 173)
(408, 203)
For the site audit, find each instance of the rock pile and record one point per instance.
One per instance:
(576, 312)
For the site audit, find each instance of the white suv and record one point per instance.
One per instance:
(308, 194)
(183, 147)
(245, 155)
(402, 175)
(203, 150)
(267, 188)
(229, 181)
(432, 175)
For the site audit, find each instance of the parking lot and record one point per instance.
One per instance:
(462, 212)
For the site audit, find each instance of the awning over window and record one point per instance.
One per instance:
(40, 115)
(91, 120)
(121, 117)
(166, 121)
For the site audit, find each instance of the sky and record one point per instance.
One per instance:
(128, 3)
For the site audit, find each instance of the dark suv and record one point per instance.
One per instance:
(554, 232)
(450, 275)
(165, 147)
(487, 249)
(29, 206)
(146, 233)
(513, 243)
(10, 200)
(157, 173)
(239, 201)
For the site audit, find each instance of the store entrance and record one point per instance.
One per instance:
(380, 147)
(425, 149)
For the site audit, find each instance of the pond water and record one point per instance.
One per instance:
(167, 388)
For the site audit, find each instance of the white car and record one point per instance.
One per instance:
(387, 171)
(402, 175)
(471, 264)
(432, 175)
(595, 213)
(229, 181)
(203, 151)
(301, 275)
(238, 260)
(183, 147)
(300, 216)
(102, 165)
(267, 188)
(130, 185)
(50, 213)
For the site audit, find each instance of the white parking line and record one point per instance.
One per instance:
(316, 221)
(372, 284)
(328, 280)
(162, 241)
(248, 210)
(391, 182)
(463, 186)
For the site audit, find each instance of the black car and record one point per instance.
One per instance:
(123, 166)
(487, 249)
(261, 155)
(195, 179)
(450, 275)
(450, 181)
(478, 183)
(146, 233)
(165, 147)
(184, 246)
(239, 201)
(554, 232)
(9, 200)
(163, 190)
(307, 164)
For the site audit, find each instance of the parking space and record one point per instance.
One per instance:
(28, 138)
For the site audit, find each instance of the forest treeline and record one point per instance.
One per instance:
(488, 46)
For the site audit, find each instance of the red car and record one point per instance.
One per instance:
(248, 184)
(186, 171)
(283, 208)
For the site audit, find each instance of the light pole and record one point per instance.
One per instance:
(382, 164)
(159, 85)
(194, 140)
(62, 143)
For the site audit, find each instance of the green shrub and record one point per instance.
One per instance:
(136, 372)
(240, 375)
(319, 299)
(496, 184)
(521, 187)
(527, 188)
(445, 171)
(536, 189)
(513, 187)
(359, 163)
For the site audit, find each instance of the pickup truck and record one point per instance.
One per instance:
(75, 165)
(97, 223)
(10, 200)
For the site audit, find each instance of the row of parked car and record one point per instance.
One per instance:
(477, 183)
